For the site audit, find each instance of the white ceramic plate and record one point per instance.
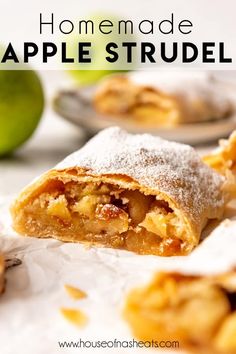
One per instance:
(76, 106)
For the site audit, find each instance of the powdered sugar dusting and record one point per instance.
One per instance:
(191, 86)
(172, 168)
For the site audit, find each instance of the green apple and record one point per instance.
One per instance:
(88, 73)
(21, 106)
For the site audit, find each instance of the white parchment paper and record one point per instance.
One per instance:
(30, 318)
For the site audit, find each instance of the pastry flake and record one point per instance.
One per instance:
(163, 310)
(171, 100)
(134, 192)
(75, 293)
(75, 316)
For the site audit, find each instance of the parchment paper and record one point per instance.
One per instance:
(30, 318)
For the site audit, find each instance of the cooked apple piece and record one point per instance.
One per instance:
(87, 204)
(138, 205)
(59, 207)
(162, 311)
(105, 213)
(225, 339)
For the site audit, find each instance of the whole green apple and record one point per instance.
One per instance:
(21, 106)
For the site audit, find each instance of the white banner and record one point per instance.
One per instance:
(122, 35)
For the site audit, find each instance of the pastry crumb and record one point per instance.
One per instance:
(75, 293)
(75, 316)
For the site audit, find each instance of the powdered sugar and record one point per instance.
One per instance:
(191, 86)
(172, 168)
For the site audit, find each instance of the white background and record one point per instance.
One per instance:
(213, 20)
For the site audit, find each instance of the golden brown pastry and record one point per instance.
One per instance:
(223, 160)
(197, 311)
(134, 192)
(2, 274)
(168, 102)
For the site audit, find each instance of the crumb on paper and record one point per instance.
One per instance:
(75, 293)
(75, 316)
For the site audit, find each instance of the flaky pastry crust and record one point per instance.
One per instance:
(134, 192)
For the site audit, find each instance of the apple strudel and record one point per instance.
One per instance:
(167, 102)
(163, 310)
(135, 192)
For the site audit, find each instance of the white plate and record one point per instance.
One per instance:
(76, 106)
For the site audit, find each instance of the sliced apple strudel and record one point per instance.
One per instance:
(162, 311)
(167, 101)
(135, 192)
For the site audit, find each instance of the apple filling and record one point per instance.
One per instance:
(162, 311)
(106, 214)
(120, 97)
